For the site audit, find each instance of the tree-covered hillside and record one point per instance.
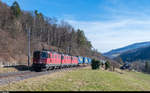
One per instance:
(140, 54)
(46, 32)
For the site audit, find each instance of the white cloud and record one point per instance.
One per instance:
(114, 34)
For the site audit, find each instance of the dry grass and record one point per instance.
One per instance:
(6, 70)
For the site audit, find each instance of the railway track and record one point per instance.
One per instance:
(7, 78)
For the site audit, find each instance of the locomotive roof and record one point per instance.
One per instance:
(50, 52)
(53, 52)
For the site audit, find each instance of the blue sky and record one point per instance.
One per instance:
(108, 24)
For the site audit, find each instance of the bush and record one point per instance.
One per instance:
(107, 65)
(147, 67)
(95, 64)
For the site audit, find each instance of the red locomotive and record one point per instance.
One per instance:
(49, 60)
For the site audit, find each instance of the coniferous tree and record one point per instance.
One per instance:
(81, 39)
(16, 9)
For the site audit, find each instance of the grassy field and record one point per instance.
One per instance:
(84, 80)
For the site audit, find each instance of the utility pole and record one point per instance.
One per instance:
(28, 48)
(68, 50)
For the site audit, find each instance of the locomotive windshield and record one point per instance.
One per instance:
(44, 55)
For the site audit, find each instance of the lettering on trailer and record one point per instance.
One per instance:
(81, 59)
(86, 60)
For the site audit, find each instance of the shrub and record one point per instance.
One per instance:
(102, 64)
(147, 67)
(107, 65)
(95, 64)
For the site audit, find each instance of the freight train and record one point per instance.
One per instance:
(48, 60)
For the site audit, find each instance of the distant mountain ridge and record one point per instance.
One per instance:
(140, 54)
(117, 52)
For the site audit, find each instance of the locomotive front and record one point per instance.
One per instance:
(40, 60)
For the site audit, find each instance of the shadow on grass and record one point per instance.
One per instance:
(19, 67)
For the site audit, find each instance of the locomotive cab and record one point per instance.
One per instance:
(36, 57)
(39, 60)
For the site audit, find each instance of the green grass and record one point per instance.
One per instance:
(84, 80)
